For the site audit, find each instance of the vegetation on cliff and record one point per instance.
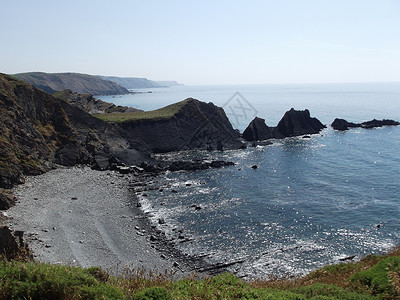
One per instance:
(166, 112)
(374, 277)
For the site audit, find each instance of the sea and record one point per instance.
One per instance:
(310, 202)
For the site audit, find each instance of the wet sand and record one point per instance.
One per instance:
(78, 216)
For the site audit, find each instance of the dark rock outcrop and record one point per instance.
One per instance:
(39, 130)
(80, 83)
(341, 124)
(298, 122)
(6, 200)
(379, 123)
(89, 104)
(293, 123)
(195, 125)
(8, 243)
(258, 131)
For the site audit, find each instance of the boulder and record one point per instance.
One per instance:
(8, 243)
(6, 201)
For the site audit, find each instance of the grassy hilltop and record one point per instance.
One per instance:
(374, 277)
(159, 114)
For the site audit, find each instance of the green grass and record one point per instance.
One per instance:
(159, 114)
(372, 278)
(22, 280)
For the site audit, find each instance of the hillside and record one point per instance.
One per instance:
(132, 82)
(189, 124)
(90, 104)
(139, 83)
(38, 130)
(80, 83)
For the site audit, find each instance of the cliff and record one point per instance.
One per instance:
(139, 83)
(293, 123)
(189, 124)
(38, 130)
(90, 104)
(80, 83)
(132, 82)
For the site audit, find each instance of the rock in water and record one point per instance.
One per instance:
(342, 124)
(298, 122)
(379, 123)
(293, 123)
(258, 131)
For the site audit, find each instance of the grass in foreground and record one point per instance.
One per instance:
(159, 114)
(374, 277)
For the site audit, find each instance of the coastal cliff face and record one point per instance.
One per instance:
(80, 83)
(38, 130)
(196, 125)
(90, 104)
(293, 123)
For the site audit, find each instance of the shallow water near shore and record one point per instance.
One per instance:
(310, 202)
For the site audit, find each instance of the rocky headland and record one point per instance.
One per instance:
(186, 125)
(91, 105)
(342, 125)
(80, 83)
(293, 123)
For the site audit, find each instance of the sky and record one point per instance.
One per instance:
(205, 42)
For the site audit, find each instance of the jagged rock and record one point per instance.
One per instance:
(190, 124)
(6, 201)
(379, 123)
(341, 124)
(8, 243)
(298, 122)
(293, 123)
(258, 131)
(102, 163)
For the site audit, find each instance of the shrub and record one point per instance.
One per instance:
(377, 277)
(43, 281)
(153, 293)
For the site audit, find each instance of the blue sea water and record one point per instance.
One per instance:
(309, 203)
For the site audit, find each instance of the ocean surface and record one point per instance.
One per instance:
(310, 202)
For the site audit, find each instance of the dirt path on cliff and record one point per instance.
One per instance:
(83, 217)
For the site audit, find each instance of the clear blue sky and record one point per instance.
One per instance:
(205, 42)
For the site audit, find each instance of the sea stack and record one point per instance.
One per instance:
(293, 123)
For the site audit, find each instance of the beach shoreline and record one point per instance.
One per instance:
(83, 217)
